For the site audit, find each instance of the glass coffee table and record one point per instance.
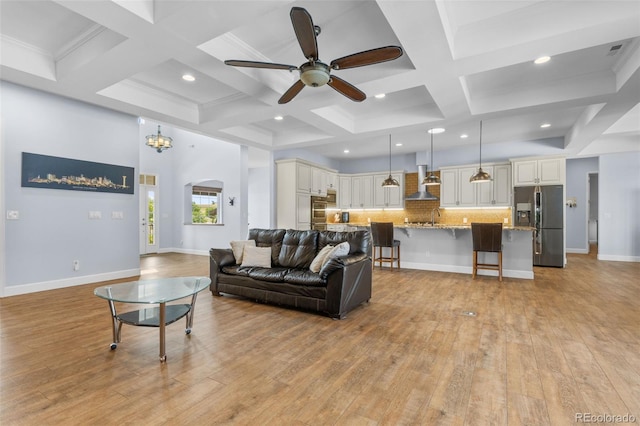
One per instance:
(156, 291)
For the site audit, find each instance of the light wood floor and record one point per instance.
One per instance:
(538, 352)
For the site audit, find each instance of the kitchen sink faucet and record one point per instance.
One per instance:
(433, 216)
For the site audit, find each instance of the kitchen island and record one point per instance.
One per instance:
(449, 248)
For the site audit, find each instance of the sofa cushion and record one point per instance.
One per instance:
(256, 256)
(298, 248)
(275, 275)
(237, 247)
(304, 277)
(318, 261)
(235, 270)
(268, 238)
(359, 241)
(341, 249)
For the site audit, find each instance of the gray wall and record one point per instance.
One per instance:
(54, 226)
(577, 231)
(618, 207)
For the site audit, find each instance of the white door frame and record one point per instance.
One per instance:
(148, 223)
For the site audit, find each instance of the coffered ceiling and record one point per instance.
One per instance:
(464, 61)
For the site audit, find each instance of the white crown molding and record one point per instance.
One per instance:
(88, 34)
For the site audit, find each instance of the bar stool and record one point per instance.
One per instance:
(382, 236)
(487, 237)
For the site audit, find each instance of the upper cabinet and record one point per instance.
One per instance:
(388, 197)
(296, 182)
(457, 191)
(344, 192)
(539, 171)
(361, 191)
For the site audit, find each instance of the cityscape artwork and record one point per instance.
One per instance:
(44, 171)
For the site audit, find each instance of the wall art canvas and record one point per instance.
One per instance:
(44, 171)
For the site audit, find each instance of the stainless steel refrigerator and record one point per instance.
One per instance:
(542, 207)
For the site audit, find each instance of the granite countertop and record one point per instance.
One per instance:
(445, 226)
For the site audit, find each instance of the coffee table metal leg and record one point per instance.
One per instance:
(115, 325)
(163, 355)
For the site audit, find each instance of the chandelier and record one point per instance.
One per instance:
(159, 142)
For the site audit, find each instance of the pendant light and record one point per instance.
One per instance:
(431, 179)
(390, 181)
(481, 176)
(158, 141)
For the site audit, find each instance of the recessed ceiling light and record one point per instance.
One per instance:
(398, 144)
(542, 60)
(346, 151)
(436, 130)
(545, 125)
(278, 117)
(188, 77)
(380, 96)
(464, 136)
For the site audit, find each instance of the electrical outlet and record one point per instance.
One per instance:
(76, 265)
(464, 220)
(506, 220)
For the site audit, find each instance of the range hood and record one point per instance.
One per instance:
(422, 193)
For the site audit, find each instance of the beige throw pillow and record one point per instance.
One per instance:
(237, 247)
(256, 256)
(341, 249)
(318, 261)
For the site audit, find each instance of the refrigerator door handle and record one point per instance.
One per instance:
(537, 203)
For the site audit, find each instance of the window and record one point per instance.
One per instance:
(203, 202)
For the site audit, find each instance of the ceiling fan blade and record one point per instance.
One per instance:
(292, 92)
(368, 57)
(305, 32)
(347, 89)
(254, 64)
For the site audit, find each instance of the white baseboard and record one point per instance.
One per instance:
(185, 251)
(527, 275)
(577, 251)
(15, 290)
(617, 258)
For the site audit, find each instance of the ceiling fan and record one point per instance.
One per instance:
(315, 73)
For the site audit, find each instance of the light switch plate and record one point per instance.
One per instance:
(95, 215)
(13, 215)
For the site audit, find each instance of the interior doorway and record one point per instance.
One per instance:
(592, 212)
(148, 206)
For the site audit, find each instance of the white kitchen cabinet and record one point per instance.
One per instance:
(466, 190)
(294, 186)
(457, 191)
(539, 171)
(448, 187)
(303, 211)
(318, 182)
(344, 192)
(362, 191)
(389, 197)
(332, 180)
(303, 177)
(502, 188)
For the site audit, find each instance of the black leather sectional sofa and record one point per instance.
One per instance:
(342, 284)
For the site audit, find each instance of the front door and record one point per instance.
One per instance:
(148, 205)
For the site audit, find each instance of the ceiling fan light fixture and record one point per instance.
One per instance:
(314, 75)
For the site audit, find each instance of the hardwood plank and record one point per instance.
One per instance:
(538, 352)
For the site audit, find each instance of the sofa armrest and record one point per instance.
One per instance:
(340, 262)
(217, 259)
(348, 283)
